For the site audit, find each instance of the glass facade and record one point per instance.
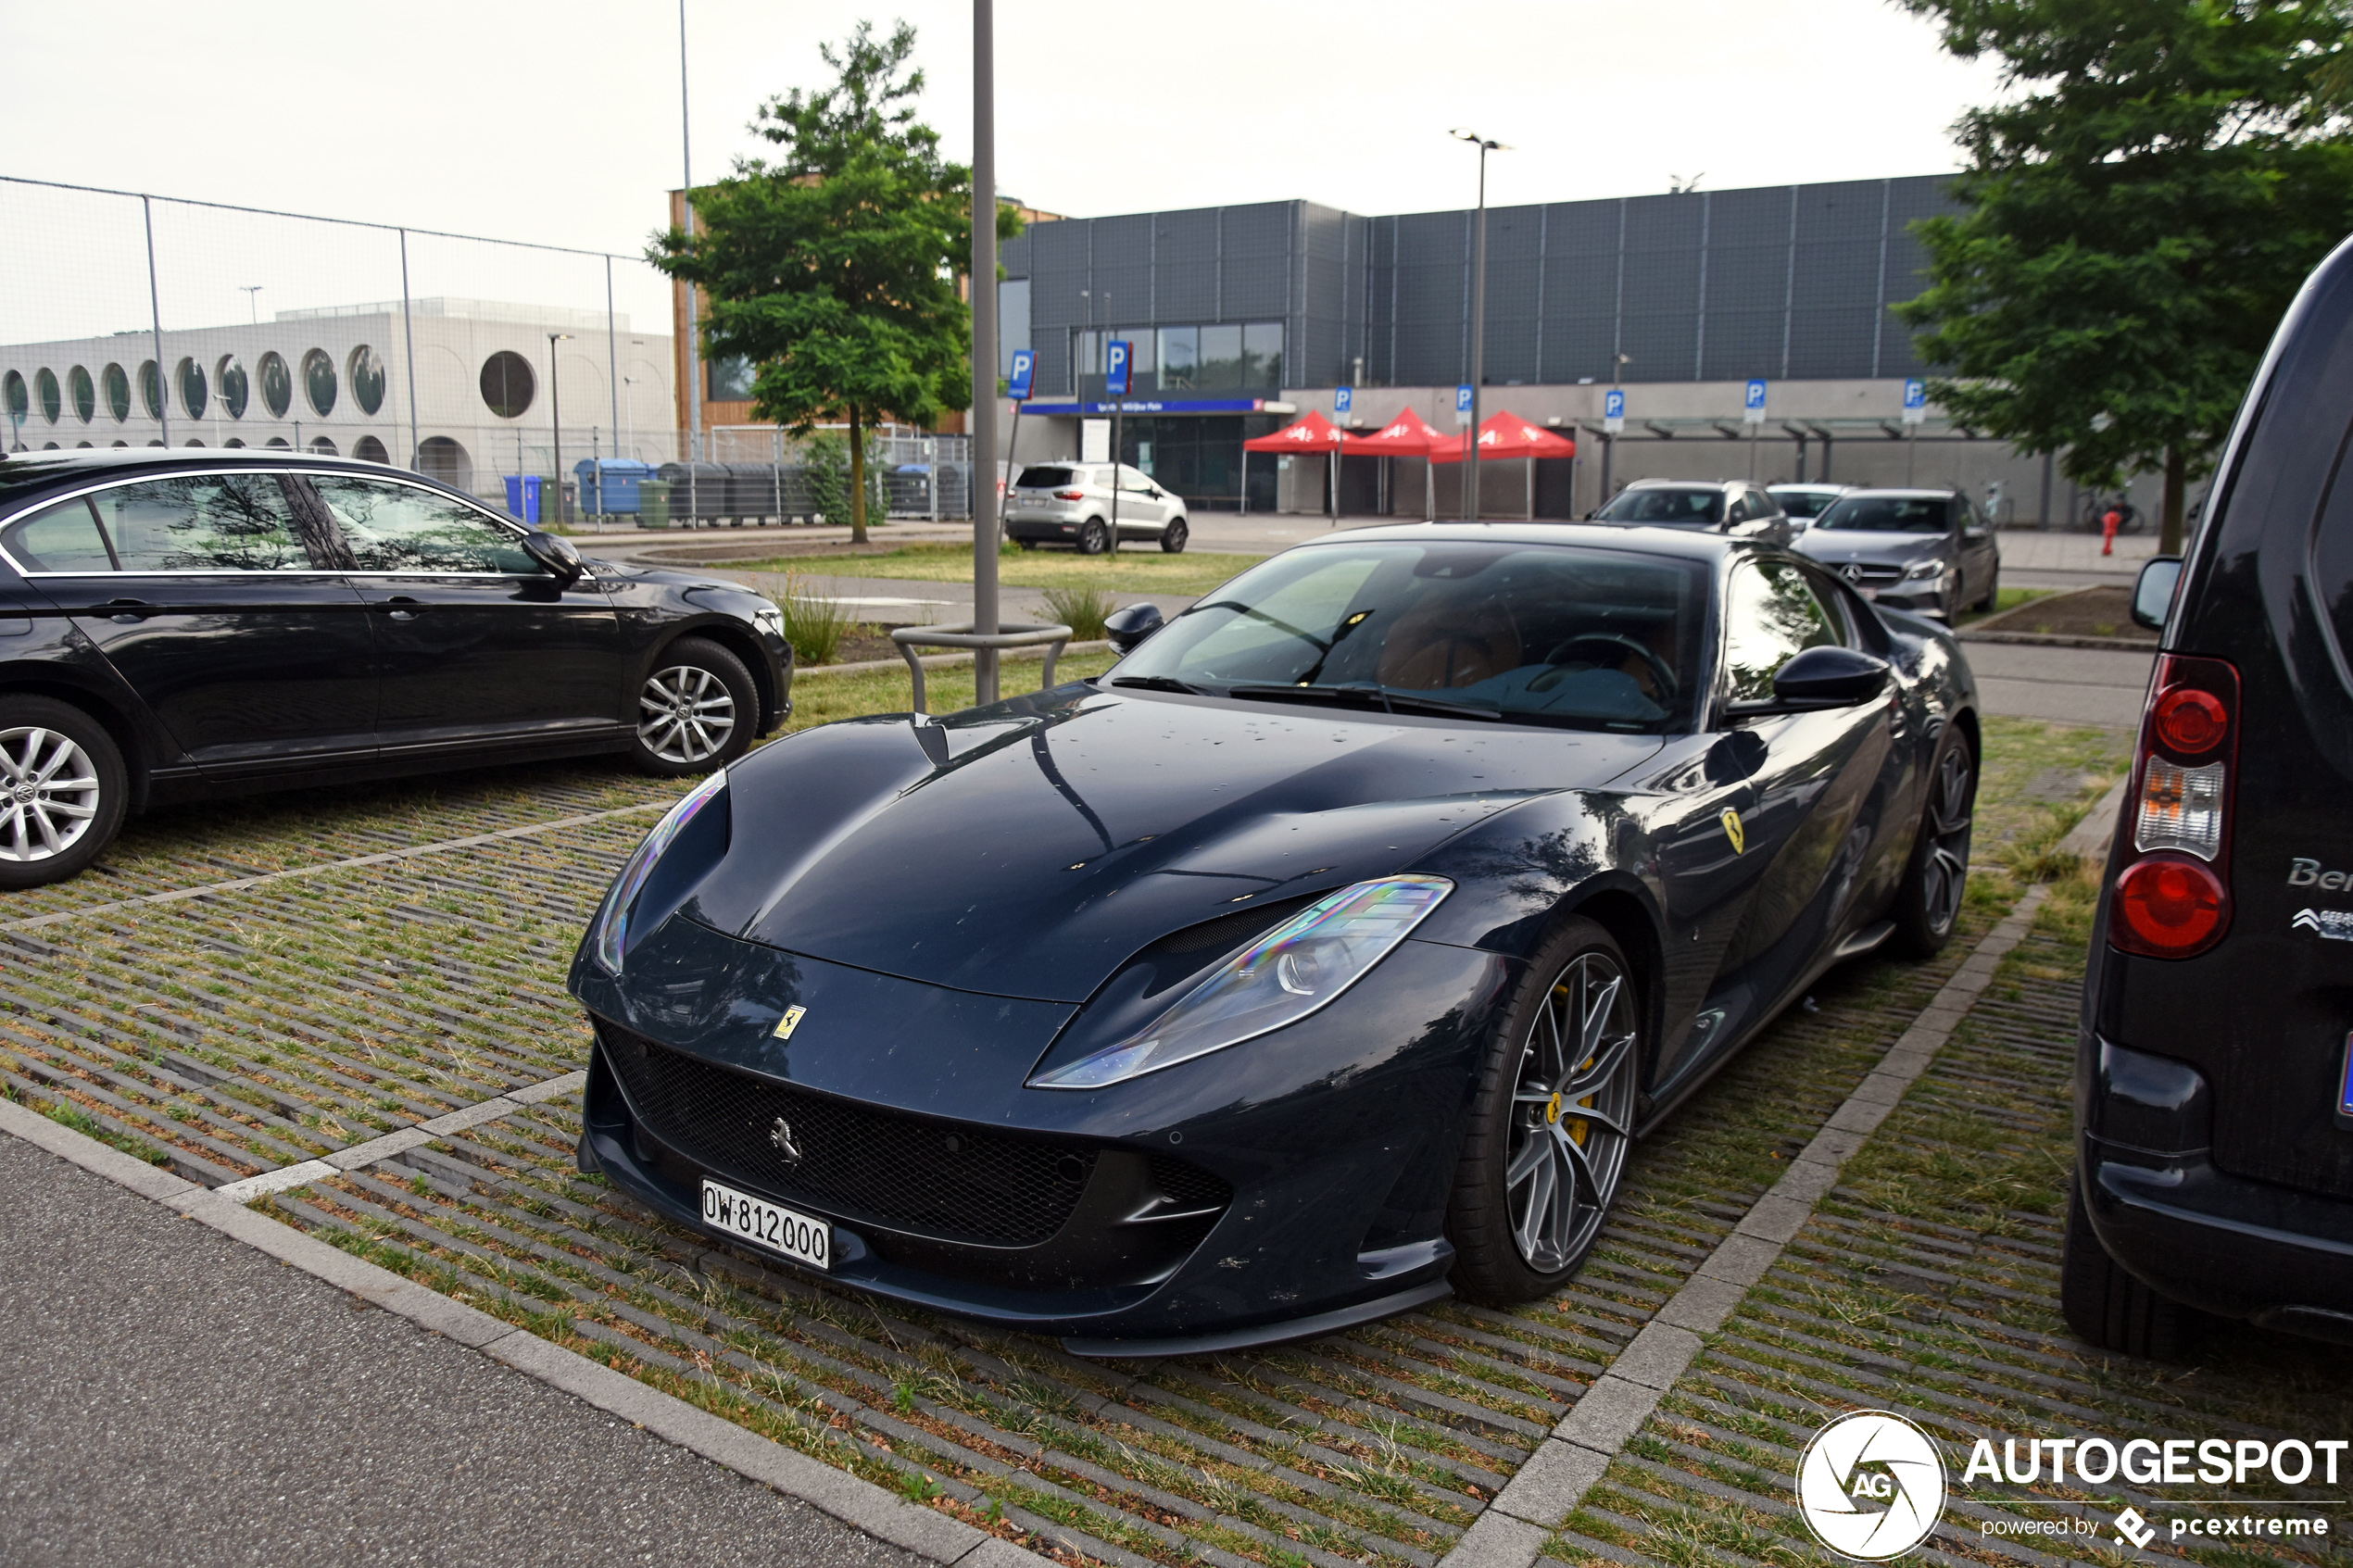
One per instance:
(367, 373)
(277, 383)
(118, 387)
(1200, 456)
(1234, 359)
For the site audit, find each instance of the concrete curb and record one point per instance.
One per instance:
(1512, 1531)
(926, 1532)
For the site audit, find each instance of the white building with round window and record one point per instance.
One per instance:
(496, 388)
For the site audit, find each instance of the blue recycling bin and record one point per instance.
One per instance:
(522, 497)
(609, 486)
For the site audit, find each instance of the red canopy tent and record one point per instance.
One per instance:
(1508, 435)
(1311, 432)
(1408, 436)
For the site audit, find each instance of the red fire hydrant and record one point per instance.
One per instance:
(2108, 524)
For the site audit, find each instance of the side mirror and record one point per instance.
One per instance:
(1126, 629)
(2153, 593)
(555, 552)
(1822, 677)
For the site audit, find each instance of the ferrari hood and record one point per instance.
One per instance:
(1026, 850)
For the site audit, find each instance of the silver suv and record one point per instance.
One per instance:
(1071, 504)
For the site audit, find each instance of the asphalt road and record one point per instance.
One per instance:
(2103, 686)
(168, 1396)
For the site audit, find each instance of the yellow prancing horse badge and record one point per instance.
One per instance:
(1734, 831)
(790, 1021)
(1552, 1109)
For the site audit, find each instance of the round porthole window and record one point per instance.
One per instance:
(507, 384)
(151, 389)
(277, 383)
(117, 385)
(367, 373)
(45, 385)
(369, 450)
(193, 393)
(321, 446)
(236, 387)
(19, 397)
(319, 382)
(85, 392)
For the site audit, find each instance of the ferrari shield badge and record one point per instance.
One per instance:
(1732, 830)
(790, 1021)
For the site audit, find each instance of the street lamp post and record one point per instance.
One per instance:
(982, 486)
(556, 423)
(1478, 312)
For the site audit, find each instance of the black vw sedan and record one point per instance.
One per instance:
(1326, 956)
(179, 623)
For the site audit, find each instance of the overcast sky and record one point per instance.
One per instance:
(531, 119)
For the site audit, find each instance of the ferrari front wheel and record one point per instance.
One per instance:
(1552, 1122)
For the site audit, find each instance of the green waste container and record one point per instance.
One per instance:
(653, 504)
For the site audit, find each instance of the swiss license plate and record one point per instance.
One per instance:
(1869, 592)
(769, 1225)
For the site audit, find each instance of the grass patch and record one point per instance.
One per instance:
(2008, 598)
(814, 626)
(1133, 570)
(1082, 609)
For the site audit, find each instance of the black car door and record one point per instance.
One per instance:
(478, 645)
(1810, 810)
(233, 628)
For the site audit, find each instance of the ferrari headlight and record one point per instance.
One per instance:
(1296, 968)
(612, 932)
(1921, 570)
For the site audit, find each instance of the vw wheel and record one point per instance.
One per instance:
(697, 710)
(63, 790)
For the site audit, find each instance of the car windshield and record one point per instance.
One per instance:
(1805, 503)
(1666, 503)
(1042, 479)
(1527, 634)
(1887, 514)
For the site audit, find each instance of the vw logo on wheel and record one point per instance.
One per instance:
(1871, 1485)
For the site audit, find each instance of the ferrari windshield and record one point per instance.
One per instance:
(1887, 514)
(1666, 503)
(1529, 633)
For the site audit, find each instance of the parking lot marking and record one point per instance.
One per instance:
(1549, 1487)
(239, 884)
(286, 1177)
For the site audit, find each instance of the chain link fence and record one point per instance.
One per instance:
(541, 378)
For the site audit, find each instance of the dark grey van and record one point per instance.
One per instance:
(2214, 1080)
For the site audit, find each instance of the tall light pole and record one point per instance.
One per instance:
(984, 289)
(555, 424)
(1478, 312)
(694, 345)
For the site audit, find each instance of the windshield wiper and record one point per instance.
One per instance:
(1362, 697)
(1155, 684)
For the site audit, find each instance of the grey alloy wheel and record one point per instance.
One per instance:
(1572, 1113)
(50, 794)
(1944, 872)
(686, 715)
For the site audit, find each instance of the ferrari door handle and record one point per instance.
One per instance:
(404, 608)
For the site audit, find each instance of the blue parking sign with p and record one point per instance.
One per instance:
(1463, 398)
(1755, 394)
(1025, 372)
(1916, 394)
(1342, 399)
(1613, 404)
(1115, 380)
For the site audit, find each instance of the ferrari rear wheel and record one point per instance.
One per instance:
(1927, 904)
(1551, 1127)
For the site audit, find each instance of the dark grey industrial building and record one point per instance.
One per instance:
(1227, 306)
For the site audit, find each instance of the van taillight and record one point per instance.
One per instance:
(2173, 900)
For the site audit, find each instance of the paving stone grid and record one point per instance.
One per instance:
(355, 1017)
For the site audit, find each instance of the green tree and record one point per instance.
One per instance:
(2137, 214)
(832, 268)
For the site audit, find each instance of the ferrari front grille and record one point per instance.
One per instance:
(908, 1172)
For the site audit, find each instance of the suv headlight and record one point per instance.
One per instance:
(1921, 570)
(1299, 968)
(609, 936)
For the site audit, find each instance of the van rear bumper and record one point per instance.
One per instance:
(2223, 1244)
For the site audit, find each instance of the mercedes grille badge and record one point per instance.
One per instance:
(780, 1134)
(1852, 572)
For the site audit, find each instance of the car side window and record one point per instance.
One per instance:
(402, 528)
(1134, 479)
(60, 538)
(1739, 510)
(204, 523)
(1770, 616)
(1761, 505)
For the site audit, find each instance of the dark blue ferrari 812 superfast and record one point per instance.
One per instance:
(1327, 955)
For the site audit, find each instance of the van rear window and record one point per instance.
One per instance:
(1044, 479)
